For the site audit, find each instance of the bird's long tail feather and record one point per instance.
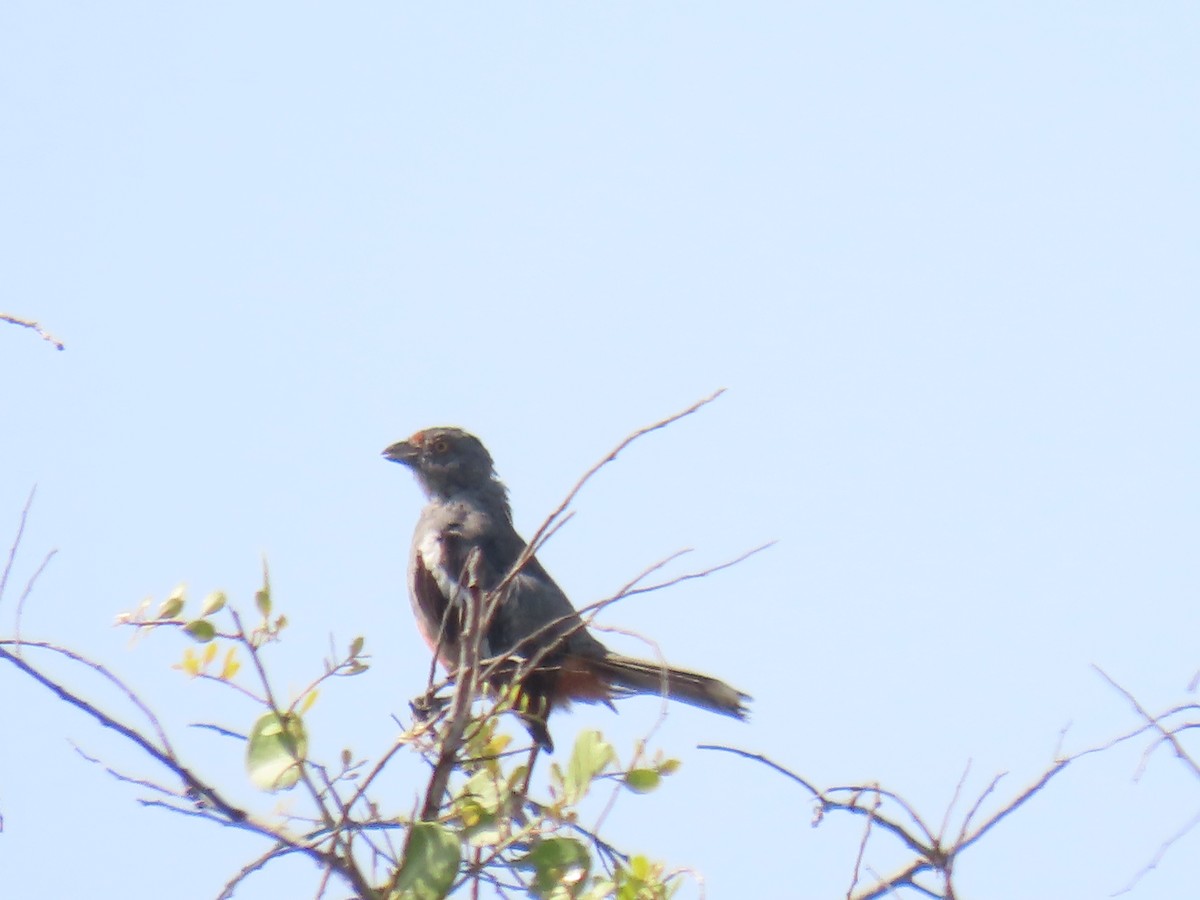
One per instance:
(640, 676)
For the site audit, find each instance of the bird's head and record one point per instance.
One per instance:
(446, 460)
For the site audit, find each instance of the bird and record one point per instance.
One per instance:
(465, 539)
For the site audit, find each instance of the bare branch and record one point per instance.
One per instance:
(1154, 722)
(164, 757)
(16, 544)
(108, 676)
(28, 589)
(465, 689)
(862, 847)
(958, 788)
(251, 867)
(689, 576)
(29, 323)
(538, 536)
(552, 522)
(1158, 856)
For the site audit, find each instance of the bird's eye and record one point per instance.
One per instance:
(441, 445)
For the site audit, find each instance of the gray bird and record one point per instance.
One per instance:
(468, 521)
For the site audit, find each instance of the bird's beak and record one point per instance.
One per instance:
(402, 452)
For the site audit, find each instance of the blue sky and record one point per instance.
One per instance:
(943, 258)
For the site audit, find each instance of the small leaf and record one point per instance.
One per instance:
(356, 646)
(642, 781)
(190, 663)
(640, 879)
(212, 603)
(668, 767)
(231, 666)
(173, 605)
(262, 597)
(430, 863)
(210, 653)
(277, 745)
(591, 756)
(309, 699)
(471, 813)
(483, 790)
(557, 862)
(201, 630)
(496, 745)
(516, 777)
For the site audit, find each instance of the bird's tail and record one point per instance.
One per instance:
(640, 676)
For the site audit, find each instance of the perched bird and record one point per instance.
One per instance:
(467, 523)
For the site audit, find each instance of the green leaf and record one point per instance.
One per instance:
(262, 597)
(640, 879)
(591, 756)
(356, 646)
(201, 630)
(484, 789)
(277, 745)
(173, 605)
(557, 863)
(668, 766)
(212, 603)
(430, 863)
(642, 781)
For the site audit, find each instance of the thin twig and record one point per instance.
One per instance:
(862, 847)
(823, 797)
(29, 323)
(251, 867)
(108, 676)
(12, 552)
(1158, 856)
(958, 788)
(536, 540)
(466, 686)
(1154, 722)
(28, 589)
(552, 523)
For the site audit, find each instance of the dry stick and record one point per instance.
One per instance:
(958, 788)
(1154, 722)
(887, 824)
(403, 741)
(906, 877)
(465, 689)
(975, 807)
(29, 323)
(662, 423)
(128, 779)
(1158, 856)
(344, 865)
(28, 589)
(1041, 782)
(12, 551)
(703, 573)
(862, 848)
(857, 790)
(552, 521)
(101, 670)
(250, 868)
(209, 794)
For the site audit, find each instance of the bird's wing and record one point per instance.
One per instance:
(534, 615)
